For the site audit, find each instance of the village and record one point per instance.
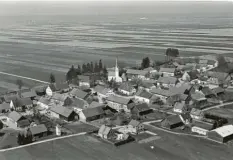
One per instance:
(187, 96)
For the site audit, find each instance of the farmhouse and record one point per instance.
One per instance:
(167, 72)
(62, 113)
(103, 93)
(218, 91)
(18, 120)
(38, 131)
(119, 103)
(141, 110)
(84, 80)
(180, 107)
(167, 82)
(126, 88)
(135, 127)
(76, 103)
(222, 134)
(143, 96)
(5, 107)
(150, 70)
(21, 104)
(196, 114)
(9, 98)
(162, 94)
(59, 98)
(91, 114)
(28, 94)
(105, 132)
(43, 103)
(96, 104)
(208, 92)
(171, 122)
(78, 93)
(57, 87)
(132, 73)
(177, 98)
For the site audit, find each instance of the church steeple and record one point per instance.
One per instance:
(116, 69)
(116, 64)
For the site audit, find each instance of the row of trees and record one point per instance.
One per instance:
(25, 138)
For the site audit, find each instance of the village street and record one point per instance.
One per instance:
(218, 106)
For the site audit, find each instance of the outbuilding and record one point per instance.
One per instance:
(222, 134)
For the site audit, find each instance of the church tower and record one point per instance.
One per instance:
(116, 69)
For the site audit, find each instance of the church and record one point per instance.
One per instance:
(113, 73)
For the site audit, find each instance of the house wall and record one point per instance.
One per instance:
(42, 105)
(177, 110)
(168, 74)
(82, 117)
(199, 130)
(48, 91)
(215, 136)
(55, 115)
(127, 92)
(117, 106)
(163, 98)
(84, 84)
(142, 99)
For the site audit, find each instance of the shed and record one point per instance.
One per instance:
(171, 122)
(91, 114)
(63, 113)
(222, 134)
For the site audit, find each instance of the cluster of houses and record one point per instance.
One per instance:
(183, 89)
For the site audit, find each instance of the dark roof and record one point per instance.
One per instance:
(134, 123)
(204, 125)
(169, 70)
(144, 94)
(147, 85)
(211, 62)
(40, 89)
(44, 100)
(91, 112)
(126, 86)
(142, 107)
(62, 111)
(162, 92)
(9, 98)
(22, 102)
(23, 123)
(76, 102)
(173, 119)
(219, 75)
(4, 106)
(28, 94)
(95, 104)
(118, 99)
(38, 129)
(167, 80)
(193, 74)
(79, 93)
(198, 96)
(59, 97)
(84, 78)
(207, 91)
(136, 72)
(218, 90)
(180, 89)
(15, 116)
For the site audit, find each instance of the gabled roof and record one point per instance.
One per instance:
(180, 89)
(62, 111)
(167, 80)
(126, 86)
(59, 97)
(118, 99)
(168, 70)
(218, 90)
(179, 105)
(29, 94)
(95, 104)
(136, 72)
(59, 86)
(224, 131)
(22, 102)
(219, 75)
(173, 119)
(84, 78)
(104, 130)
(9, 98)
(198, 96)
(149, 69)
(162, 92)
(44, 100)
(38, 129)
(207, 91)
(144, 94)
(147, 85)
(196, 112)
(134, 123)
(91, 112)
(142, 107)
(202, 124)
(15, 116)
(79, 93)
(77, 103)
(4, 106)
(193, 74)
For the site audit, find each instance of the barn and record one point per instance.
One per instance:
(222, 134)
(172, 122)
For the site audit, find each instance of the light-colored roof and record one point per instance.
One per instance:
(167, 80)
(162, 92)
(29, 94)
(179, 105)
(95, 104)
(79, 93)
(196, 112)
(168, 70)
(144, 94)
(149, 69)
(118, 99)
(44, 100)
(134, 123)
(91, 112)
(15, 116)
(84, 78)
(224, 131)
(61, 111)
(136, 72)
(126, 86)
(38, 129)
(59, 97)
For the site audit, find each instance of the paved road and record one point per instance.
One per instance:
(32, 79)
(217, 106)
(39, 142)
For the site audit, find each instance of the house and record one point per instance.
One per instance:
(167, 72)
(62, 113)
(217, 78)
(135, 127)
(126, 88)
(196, 114)
(38, 131)
(58, 98)
(141, 110)
(184, 88)
(132, 73)
(119, 103)
(105, 132)
(57, 87)
(96, 104)
(103, 93)
(162, 94)
(185, 77)
(78, 93)
(18, 120)
(9, 98)
(218, 91)
(147, 86)
(198, 98)
(202, 127)
(150, 70)
(222, 134)
(91, 114)
(21, 104)
(167, 82)
(76, 104)
(143, 96)
(5, 107)
(43, 103)
(194, 74)
(40, 90)
(171, 122)
(28, 94)
(180, 107)
(177, 98)
(208, 92)
(84, 80)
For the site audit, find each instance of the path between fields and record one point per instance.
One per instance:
(39, 142)
(217, 106)
(32, 79)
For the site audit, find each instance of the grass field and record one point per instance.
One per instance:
(222, 112)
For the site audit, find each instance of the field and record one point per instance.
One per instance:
(222, 112)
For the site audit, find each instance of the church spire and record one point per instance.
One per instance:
(116, 63)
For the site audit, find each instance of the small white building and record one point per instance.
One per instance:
(199, 130)
(84, 80)
(167, 72)
(103, 93)
(196, 114)
(140, 74)
(180, 107)
(43, 103)
(126, 88)
(113, 74)
(143, 96)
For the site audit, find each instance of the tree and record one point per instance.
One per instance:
(100, 65)
(19, 82)
(79, 70)
(96, 68)
(92, 67)
(171, 53)
(197, 59)
(20, 139)
(71, 74)
(105, 71)
(84, 68)
(52, 78)
(145, 63)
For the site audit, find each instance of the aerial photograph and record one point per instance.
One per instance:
(116, 79)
